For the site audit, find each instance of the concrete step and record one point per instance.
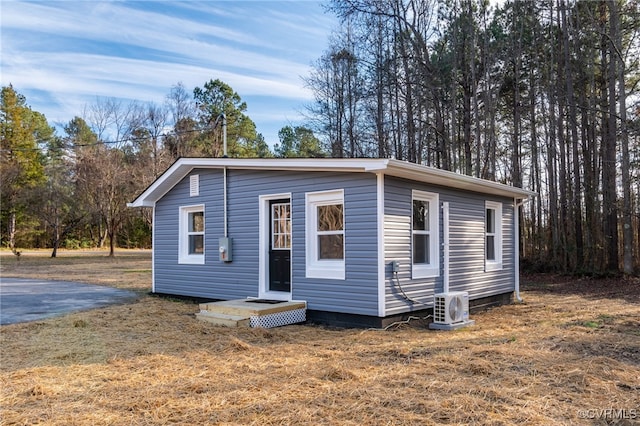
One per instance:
(223, 320)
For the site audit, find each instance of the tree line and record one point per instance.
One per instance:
(538, 94)
(541, 95)
(71, 190)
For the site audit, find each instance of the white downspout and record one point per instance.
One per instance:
(445, 246)
(516, 255)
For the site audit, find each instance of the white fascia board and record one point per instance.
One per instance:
(305, 164)
(396, 168)
(446, 178)
(183, 166)
(163, 184)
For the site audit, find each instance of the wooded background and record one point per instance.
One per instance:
(541, 95)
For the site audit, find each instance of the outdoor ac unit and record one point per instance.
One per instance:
(451, 308)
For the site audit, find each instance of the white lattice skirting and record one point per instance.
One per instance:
(278, 319)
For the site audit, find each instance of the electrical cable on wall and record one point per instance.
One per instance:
(409, 299)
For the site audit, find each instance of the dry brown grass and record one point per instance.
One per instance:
(569, 348)
(128, 269)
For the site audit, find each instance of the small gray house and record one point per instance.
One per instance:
(363, 242)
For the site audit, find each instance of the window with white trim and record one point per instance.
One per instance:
(325, 234)
(191, 235)
(493, 236)
(425, 235)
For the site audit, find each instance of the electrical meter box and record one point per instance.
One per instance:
(225, 245)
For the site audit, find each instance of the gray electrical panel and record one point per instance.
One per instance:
(225, 245)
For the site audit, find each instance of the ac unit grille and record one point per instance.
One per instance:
(439, 309)
(451, 308)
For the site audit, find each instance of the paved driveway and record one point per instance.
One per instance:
(23, 300)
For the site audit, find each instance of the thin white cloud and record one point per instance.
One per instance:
(110, 22)
(51, 71)
(73, 51)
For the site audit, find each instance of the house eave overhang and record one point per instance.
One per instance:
(431, 175)
(401, 169)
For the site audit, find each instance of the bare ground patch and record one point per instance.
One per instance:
(571, 351)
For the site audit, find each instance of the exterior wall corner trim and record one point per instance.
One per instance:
(381, 245)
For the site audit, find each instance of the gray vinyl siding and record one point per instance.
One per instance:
(466, 249)
(240, 278)
(214, 279)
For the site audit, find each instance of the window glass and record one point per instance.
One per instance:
(196, 222)
(330, 236)
(196, 230)
(420, 215)
(421, 231)
(491, 247)
(330, 246)
(196, 244)
(490, 220)
(281, 226)
(490, 241)
(420, 248)
(330, 217)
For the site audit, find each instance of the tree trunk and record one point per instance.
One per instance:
(56, 237)
(466, 124)
(12, 230)
(408, 105)
(564, 189)
(573, 127)
(516, 172)
(627, 225)
(609, 196)
(112, 244)
(552, 181)
(536, 204)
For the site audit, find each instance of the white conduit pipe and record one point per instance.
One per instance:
(224, 173)
(445, 246)
(224, 199)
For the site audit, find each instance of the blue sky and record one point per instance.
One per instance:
(62, 55)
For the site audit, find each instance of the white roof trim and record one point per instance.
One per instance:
(396, 168)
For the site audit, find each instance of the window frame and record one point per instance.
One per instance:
(496, 263)
(184, 257)
(431, 269)
(315, 267)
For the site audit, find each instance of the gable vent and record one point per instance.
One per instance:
(194, 185)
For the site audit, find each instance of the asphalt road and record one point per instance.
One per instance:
(23, 300)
